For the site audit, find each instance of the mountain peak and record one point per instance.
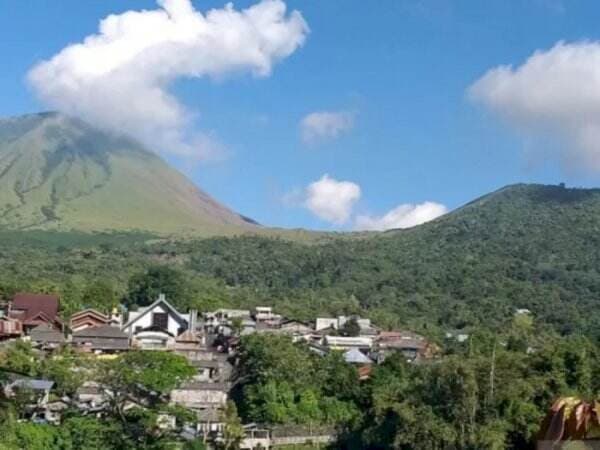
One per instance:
(59, 172)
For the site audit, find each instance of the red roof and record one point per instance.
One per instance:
(34, 304)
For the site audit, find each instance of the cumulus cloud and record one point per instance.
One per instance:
(119, 77)
(402, 216)
(331, 200)
(323, 125)
(554, 93)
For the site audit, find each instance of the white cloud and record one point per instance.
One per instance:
(402, 216)
(331, 200)
(323, 125)
(555, 93)
(119, 77)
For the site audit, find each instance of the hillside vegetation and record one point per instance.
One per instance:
(524, 246)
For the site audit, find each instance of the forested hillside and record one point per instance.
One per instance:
(525, 246)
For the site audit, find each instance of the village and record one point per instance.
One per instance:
(208, 340)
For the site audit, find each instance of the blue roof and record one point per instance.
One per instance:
(36, 385)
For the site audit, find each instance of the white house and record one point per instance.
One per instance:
(265, 314)
(156, 326)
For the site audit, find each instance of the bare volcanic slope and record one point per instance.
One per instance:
(59, 173)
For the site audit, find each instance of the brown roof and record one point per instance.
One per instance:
(89, 312)
(364, 372)
(398, 335)
(34, 304)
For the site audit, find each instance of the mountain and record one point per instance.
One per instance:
(59, 173)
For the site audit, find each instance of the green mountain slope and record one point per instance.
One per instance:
(59, 173)
(524, 246)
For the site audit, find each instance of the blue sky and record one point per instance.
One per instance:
(400, 71)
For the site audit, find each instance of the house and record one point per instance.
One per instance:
(201, 395)
(46, 336)
(191, 344)
(412, 345)
(91, 396)
(206, 399)
(265, 314)
(10, 328)
(88, 318)
(155, 326)
(325, 322)
(298, 330)
(102, 339)
(35, 309)
(209, 422)
(223, 316)
(348, 342)
(38, 388)
(365, 326)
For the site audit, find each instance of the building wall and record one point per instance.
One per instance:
(325, 322)
(146, 320)
(199, 397)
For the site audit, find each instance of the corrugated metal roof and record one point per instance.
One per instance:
(46, 333)
(105, 331)
(355, 356)
(33, 384)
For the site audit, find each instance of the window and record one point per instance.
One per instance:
(160, 320)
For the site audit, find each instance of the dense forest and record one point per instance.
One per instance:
(525, 246)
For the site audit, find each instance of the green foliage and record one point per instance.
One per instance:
(88, 433)
(145, 377)
(350, 328)
(99, 294)
(66, 368)
(20, 358)
(321, 390)
(144, 288)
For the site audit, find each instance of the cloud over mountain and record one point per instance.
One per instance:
(324, 125)
(119, 78)
(402, 216)
(332, 200)
(555, 93)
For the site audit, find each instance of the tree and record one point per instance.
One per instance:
(90, 433)
(233, 431)
(350, 328)
(142, 377)
(145, 287)
(196, 444)
(237, 326)
(60, 367)
(99, 294)
(19, 358)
